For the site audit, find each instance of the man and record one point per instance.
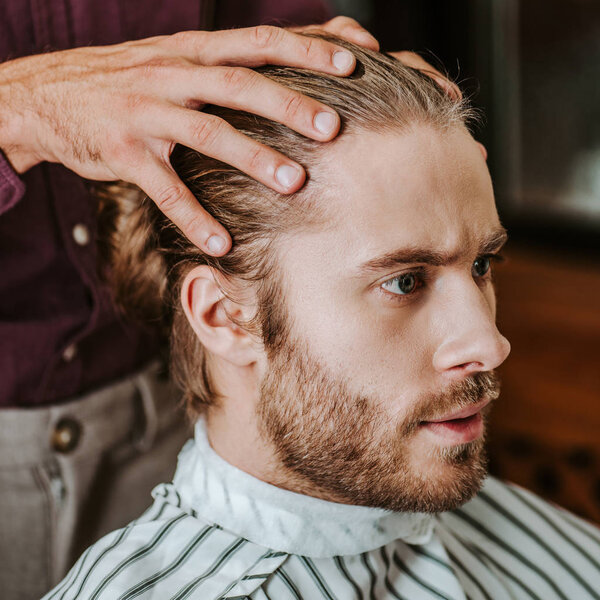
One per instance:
(84, 405)
(340, 364)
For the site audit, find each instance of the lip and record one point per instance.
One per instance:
(464, 413)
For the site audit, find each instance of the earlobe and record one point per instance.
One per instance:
(212, 316)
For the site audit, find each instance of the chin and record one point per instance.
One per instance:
(447, 479)
(455, 475)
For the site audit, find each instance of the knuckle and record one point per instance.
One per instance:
(169, 198)
(184, 39)
(293, 105)
(266, 35)
(307, 46)
(195, 224)
(257, 159)
(239, 79)
(157, 62)
(156, 66)
(207, 130)
(121, 149)
(136, 102)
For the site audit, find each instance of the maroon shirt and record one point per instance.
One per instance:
(59, 332)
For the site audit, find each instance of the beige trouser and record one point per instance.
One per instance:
(71, 473)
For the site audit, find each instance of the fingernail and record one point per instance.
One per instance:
(343, 61)
(325, 122)
(215, 244)
(286, 175)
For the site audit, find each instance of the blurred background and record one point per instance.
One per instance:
(533, 67)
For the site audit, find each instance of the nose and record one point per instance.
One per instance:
(470, 340)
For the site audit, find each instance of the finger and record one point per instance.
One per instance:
(411, 59)
(249, 91)
(175, 200)
(255, 46)
(214, 137)
(346, 28)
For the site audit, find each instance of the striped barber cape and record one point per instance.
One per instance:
(218, 533)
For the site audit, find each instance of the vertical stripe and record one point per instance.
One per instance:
(365, 561)
(339, 561)
(288, 582)
(404, 567)
(157, 507)
(386, 579)
(469, 575)
(585, 528)
(422, 552)
(511, 576)
(263, 591)
(221, 560)
(150, 582)
(313, 571)
(263, 568)
(122, 536)
(137, 555)
(502, 544)
(73, 574)
(554, 526)
(521, 525)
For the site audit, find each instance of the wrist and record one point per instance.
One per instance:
(13, 136)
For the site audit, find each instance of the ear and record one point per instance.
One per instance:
(483, 150)
(209, 313)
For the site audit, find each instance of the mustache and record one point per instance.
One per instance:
(457, 396)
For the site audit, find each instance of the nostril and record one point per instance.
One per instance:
(469, 366)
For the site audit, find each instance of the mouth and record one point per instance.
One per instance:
(459, 427)
(462, 414)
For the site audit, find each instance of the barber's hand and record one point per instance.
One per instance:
(116, 112)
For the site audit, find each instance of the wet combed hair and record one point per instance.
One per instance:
(149, 256)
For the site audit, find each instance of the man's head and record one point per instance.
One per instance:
(351, 315)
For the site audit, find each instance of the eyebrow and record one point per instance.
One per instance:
(487, 245)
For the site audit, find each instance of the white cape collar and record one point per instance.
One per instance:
(282, 520)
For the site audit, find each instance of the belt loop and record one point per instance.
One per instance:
(147, 396)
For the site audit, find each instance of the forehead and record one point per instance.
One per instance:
(422, 187)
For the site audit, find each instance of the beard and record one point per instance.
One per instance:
(343, 446)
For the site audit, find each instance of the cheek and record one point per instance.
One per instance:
(379, 351)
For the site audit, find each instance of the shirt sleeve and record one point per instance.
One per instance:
(12, 187)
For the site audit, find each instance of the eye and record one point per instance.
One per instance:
(481, 266)
(402, 285)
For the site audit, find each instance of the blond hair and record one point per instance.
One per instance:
(149, 256)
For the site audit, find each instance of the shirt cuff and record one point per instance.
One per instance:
(12, 187)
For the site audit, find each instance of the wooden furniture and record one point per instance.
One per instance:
(545, 428)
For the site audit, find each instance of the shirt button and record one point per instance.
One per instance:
(81, 234)
(65, 436)
(69, 353)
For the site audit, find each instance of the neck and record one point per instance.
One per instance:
(231, 425)
(233, 434)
